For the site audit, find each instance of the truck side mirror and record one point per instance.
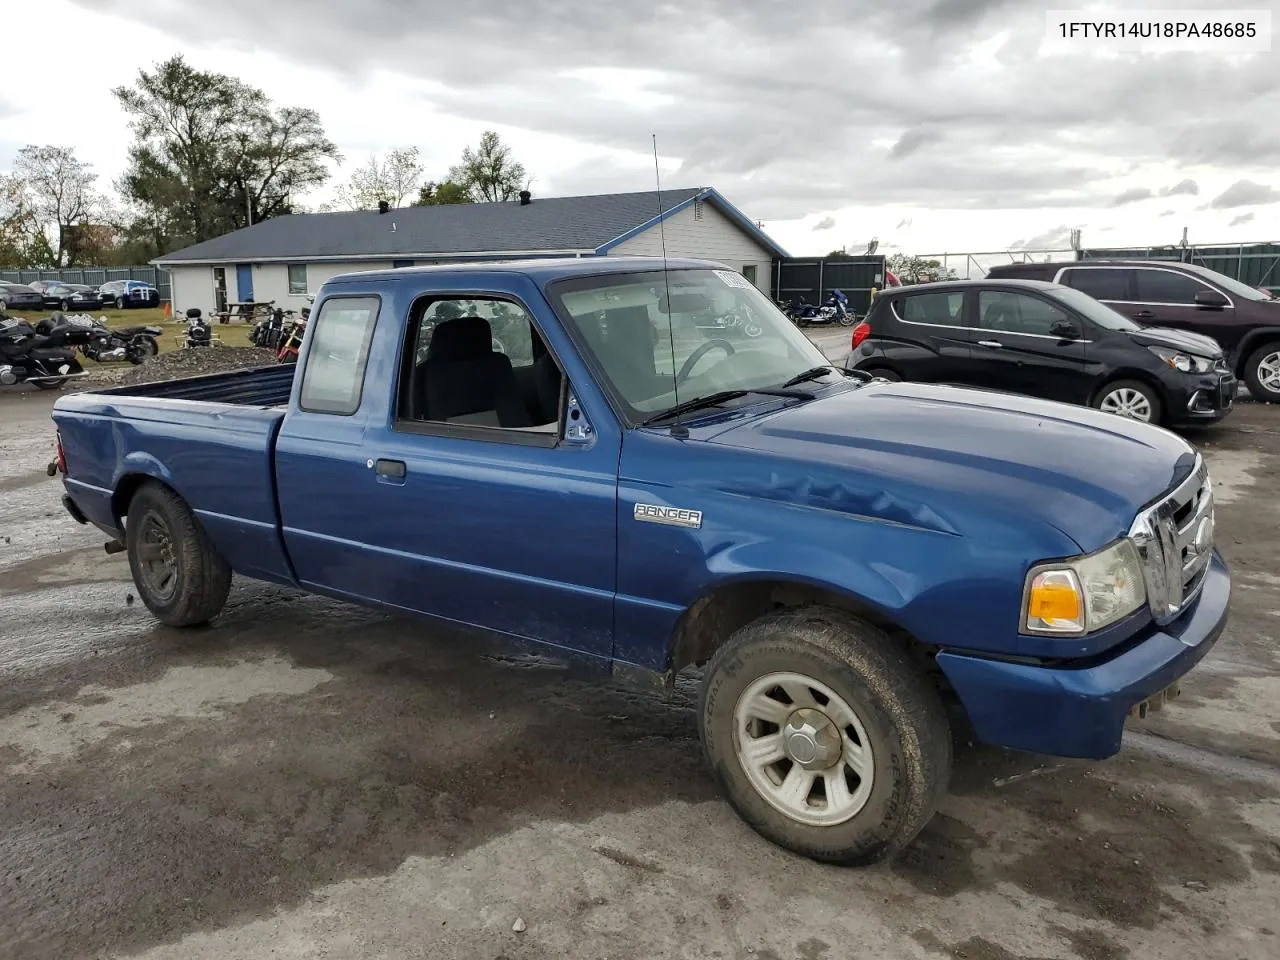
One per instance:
(1210, 300)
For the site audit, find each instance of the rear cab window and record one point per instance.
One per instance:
(333, 381)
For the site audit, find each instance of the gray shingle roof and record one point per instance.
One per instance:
(548, 223)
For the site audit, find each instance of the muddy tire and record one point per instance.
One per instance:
(1262, 373)
(860, 754)
(180, 576)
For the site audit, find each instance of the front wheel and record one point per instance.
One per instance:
(1130, 399)
(1262, 373)
(180, 575)
(52, 384)
(884, 373)
(64, 306)
(825, 735)
(847, 319)
(120, 304)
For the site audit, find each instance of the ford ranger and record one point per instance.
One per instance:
(855, 564)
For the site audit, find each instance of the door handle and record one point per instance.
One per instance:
(1143, 315)
(390, 468)
(990, 343)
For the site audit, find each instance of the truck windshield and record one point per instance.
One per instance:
(662, 339)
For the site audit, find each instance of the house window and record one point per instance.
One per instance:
(297, 279)
(749, 271)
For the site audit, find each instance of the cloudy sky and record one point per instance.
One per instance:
(928, 124)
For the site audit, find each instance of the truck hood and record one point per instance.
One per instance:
(948, 458)
(1193, 343)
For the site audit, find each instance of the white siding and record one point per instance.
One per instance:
(713, 237)
(194, 286)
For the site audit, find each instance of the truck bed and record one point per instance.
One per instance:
(211, 438)
(256, 387)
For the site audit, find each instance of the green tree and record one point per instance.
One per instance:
(489, 172)
(212, 154)
(446, 191)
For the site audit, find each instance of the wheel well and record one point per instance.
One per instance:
(715, 616)
(125, 491)
(1141, 376)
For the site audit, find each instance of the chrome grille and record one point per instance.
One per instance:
(1174, 538)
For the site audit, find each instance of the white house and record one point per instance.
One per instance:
(285, 259)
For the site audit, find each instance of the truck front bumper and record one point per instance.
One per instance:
(1080, 711)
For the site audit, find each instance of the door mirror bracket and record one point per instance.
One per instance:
(577, 428)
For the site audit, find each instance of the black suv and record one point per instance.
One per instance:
(1044, 340)
(1185, 296)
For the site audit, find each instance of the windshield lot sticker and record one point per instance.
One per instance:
(672, 516)
(732, 279)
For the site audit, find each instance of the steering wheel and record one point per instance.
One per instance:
(701, 352)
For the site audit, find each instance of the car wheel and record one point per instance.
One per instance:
(53, 384)
(884, 373)
(180, 576)
(1131, 399)
(120, 304)
(1262, 373)
(64, 306)
(825, 735)
(4, 306)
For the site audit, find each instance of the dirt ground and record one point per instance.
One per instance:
(305, 779)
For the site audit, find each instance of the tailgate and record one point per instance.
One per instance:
(218, 456)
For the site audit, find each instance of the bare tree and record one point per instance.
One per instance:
(394, 179)
(59, 190)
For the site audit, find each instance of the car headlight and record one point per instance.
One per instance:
(1185, 362)
(1084, 594)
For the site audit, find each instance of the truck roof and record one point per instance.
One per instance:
(540, 270)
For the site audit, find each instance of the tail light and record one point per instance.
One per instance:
(62, 457)
(860, 333)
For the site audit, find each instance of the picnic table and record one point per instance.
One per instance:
(247, 311)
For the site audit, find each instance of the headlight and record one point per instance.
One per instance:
(1080, 596)
(1183, 361)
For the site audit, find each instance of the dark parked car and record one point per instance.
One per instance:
(19, 296)
(68, 296)
(1185, 296)
(129, 293)
(1043, 340)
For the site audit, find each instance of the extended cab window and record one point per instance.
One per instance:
(1016, 313)
(1101, 283)
(478, 362)
(939, 309)
(334, 377)
(1165, 286)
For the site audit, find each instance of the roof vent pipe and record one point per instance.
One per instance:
(526, 198)
(383, 206)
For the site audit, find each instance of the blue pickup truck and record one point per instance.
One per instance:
(856, 565)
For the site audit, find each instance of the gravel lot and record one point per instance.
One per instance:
(306, 779)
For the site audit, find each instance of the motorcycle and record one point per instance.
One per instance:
(199, 333)
(135, 344)
(834, 309)
(47, 359)
(268, 331)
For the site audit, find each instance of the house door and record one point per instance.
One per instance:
(244, 283)
(219, 289)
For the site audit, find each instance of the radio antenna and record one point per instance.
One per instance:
(678, 429)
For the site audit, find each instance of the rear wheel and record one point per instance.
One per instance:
(180, 576)
(827, 738)
(53, 384)
(120, 304)
(1131, 399)
(64, 305)
(1262, 373)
